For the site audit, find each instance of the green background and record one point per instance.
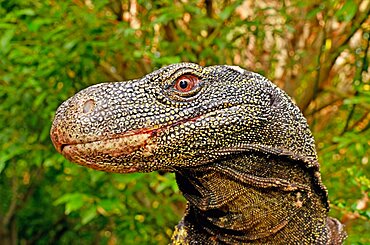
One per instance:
(317, 51)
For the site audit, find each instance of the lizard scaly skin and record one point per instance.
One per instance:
(242, 152)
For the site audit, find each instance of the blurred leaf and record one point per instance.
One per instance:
(2, 166)
(72, 201)
(88, 215)
(167, 15)
(313, 12)
(29, 12)
(228, 10)
(348, 11)
(357, 100)
(5, 40)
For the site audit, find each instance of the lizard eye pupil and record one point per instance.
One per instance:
(183, 84)
(186, 83)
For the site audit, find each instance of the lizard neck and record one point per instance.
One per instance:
(228, 202)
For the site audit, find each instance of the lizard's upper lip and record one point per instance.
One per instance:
(131, 139)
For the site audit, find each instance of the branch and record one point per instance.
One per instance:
(13, 203)
(363, 69)
(351, 112)
(339, 45)
(359, 121)
(313, 112)
(318, 78)
(31, 188)
(62, 220)
(365, 128)
(209, 8)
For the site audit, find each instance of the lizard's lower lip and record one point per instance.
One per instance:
(69, 151)
(116, 147)
(83, 153)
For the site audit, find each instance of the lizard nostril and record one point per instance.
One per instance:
(88, 106)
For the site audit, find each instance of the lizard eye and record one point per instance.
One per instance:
(186, 83)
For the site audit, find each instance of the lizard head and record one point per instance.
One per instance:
(181, 115)
(242, 151)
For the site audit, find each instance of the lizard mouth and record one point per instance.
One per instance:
(113, 154)
(136, 143)
(62, 143)
(61, 147)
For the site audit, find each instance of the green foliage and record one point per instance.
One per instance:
(49, 50)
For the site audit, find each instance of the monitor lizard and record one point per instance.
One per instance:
(242, 152)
